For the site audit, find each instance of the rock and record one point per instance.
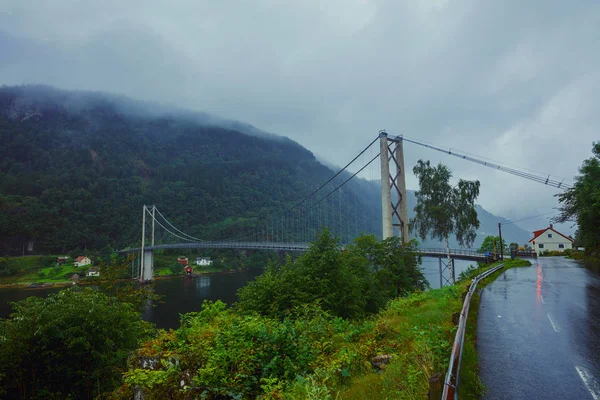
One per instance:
(381, 360)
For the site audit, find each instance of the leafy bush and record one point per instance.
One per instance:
(551, 253)
(55, 271)
(176, 269)
(68, 345)
(219, 352)
(469, 273)
(349, 283)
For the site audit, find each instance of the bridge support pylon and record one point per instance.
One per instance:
(148, 272)
(444, 266)
(393, 207)
(147, 256)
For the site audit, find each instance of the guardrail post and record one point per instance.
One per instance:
(436, 386)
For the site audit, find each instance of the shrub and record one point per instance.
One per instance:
(73, 344)
(176, 269)
(55, 271)
(219, 353)
(349, 283)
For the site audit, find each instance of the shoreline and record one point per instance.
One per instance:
(46, 285)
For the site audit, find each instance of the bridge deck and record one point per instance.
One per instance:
(460, 254)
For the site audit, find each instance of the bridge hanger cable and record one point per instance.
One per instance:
(178, 230)
(540, 179)
(301, 230)
(343, 183)
(333, 177)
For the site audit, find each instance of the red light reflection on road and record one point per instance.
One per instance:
(540, 276)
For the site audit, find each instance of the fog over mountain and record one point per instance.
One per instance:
(509, 81)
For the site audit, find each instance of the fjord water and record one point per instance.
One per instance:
(183, 295)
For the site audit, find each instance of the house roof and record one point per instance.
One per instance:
(80, 258)
(536, 234)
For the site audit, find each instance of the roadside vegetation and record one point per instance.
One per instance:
(279, 343)
(581, 204)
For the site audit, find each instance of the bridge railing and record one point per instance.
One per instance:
(455, 252)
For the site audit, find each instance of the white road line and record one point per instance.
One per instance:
(591, 385)
(554, 326)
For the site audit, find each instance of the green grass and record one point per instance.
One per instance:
(26, 267)
(419, 334)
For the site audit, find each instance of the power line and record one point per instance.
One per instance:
(531, 217)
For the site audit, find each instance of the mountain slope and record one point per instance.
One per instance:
(76, 167)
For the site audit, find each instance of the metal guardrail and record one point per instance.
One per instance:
(450, 391)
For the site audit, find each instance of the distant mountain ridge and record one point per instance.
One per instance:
(488, 224)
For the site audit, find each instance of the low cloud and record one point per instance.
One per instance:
(506, 80)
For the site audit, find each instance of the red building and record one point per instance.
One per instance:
(182, 260)
(188, 270)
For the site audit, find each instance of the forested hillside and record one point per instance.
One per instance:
(76, 168)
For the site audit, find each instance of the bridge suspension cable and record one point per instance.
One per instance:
(334, 176)
(166, 229)
(479, 160)
(343, 183)
(172, 226)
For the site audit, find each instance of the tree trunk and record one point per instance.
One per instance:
(450, 264)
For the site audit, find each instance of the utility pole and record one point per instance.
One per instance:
(501, 244)
(394, 213)
(143, 240)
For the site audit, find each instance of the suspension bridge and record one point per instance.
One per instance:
(335, 204)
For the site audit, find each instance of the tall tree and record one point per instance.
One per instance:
(443, 210)
(492, 244)
(581, 203)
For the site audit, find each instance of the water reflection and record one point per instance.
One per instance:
(184, 294)
(540, 277)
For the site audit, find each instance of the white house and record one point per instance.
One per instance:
(550, 239)
(204, 261)
(93, 272)
(81, 261)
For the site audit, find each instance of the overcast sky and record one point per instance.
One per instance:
(515, 81)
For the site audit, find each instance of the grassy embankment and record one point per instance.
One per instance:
(42, 269)
(420, 333)
(35, 269)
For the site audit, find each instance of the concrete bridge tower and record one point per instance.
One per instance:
(394, 212)
(147, 255)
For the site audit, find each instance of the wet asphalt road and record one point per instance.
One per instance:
(539, 332)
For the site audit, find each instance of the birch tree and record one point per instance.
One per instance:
(443, 210)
